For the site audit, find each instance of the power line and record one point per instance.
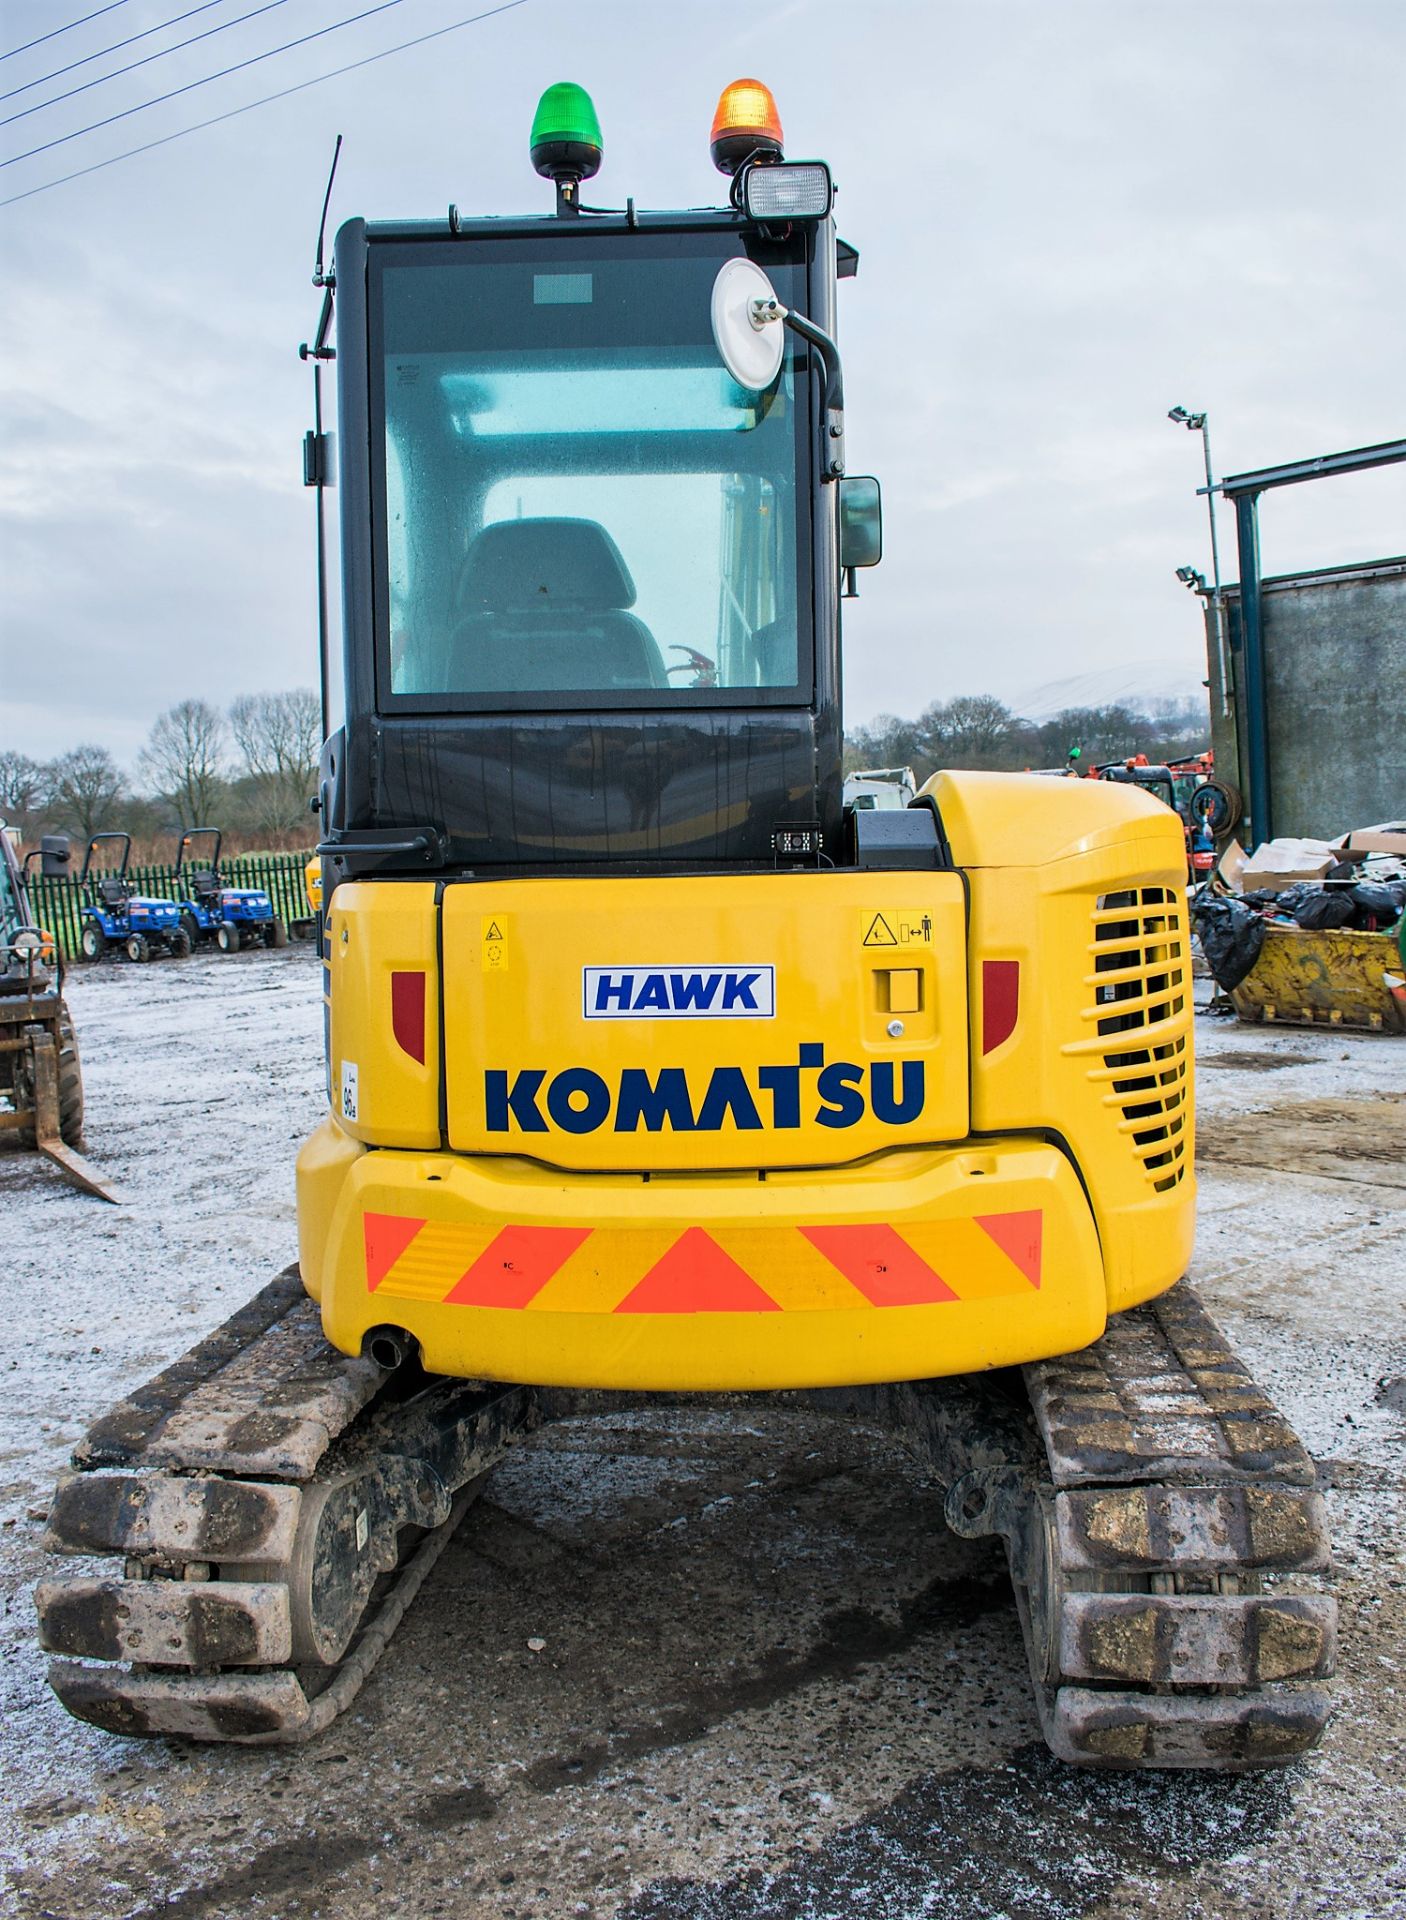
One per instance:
(283, 94)
(237, 66)
(116, 47)
(145, 61)
(110, 8)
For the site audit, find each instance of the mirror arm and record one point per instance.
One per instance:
(744, 308)
(832, 462)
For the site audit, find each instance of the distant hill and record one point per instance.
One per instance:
(1145, 685)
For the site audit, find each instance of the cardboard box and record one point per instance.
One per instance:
(1375, 840)
(1276, 864)
(1275, 882)
(1231, 866)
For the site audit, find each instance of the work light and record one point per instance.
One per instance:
(799, 191)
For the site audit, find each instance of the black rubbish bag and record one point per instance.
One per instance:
(1325, 909)
(1231, 938)
(1285, 902)
(1379, 901)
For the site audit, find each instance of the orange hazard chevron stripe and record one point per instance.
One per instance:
(697, 1276)
(652, 1270)
(515, 1266)
(885, 1267)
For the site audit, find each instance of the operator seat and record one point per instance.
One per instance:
(544, 605)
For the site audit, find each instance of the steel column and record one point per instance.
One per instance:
(1259, 805)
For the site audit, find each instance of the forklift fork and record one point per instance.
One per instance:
(44, 1054)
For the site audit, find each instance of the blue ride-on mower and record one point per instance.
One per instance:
(233, 917)
(118, 916)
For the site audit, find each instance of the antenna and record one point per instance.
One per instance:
(317, 445)
(319, 279)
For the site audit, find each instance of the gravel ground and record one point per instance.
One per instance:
(770, 1684)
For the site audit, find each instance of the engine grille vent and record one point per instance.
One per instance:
(1141, 993)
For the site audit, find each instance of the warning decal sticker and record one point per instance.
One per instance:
(494, 929)
(896, 928)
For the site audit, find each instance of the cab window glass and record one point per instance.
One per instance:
(578, 500)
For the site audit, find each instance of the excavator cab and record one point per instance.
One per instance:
(591, 605)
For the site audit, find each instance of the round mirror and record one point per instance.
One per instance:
(751, 353)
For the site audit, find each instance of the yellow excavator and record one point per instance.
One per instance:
(653, 1069)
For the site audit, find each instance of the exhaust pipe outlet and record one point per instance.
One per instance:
(389, 1347)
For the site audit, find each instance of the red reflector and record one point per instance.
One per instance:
(408, 1013)
(1000, 1001)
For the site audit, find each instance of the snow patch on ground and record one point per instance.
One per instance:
(771, 1685)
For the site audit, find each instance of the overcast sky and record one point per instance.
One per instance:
(1071, 216)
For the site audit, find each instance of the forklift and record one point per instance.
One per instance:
(41, 1076)
(652, 1068)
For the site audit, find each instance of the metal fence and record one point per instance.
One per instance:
(57, 901)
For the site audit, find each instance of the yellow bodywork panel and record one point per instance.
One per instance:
(712, 1021)
(1081, 998)
(1018, 820)
(765, 1130)
(920, 1263)
(383, 981)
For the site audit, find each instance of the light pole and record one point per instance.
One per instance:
(1196, 423)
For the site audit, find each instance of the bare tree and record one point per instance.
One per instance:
(885, 742)
(977, 724)
(970, 730)
(1105, 733)
(184, 759)
(978, 730)
(279, 736)
(24, 786)
(86, 785)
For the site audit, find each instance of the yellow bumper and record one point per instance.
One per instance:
(915, 1263)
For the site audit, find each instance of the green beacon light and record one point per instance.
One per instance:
(566, 141)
